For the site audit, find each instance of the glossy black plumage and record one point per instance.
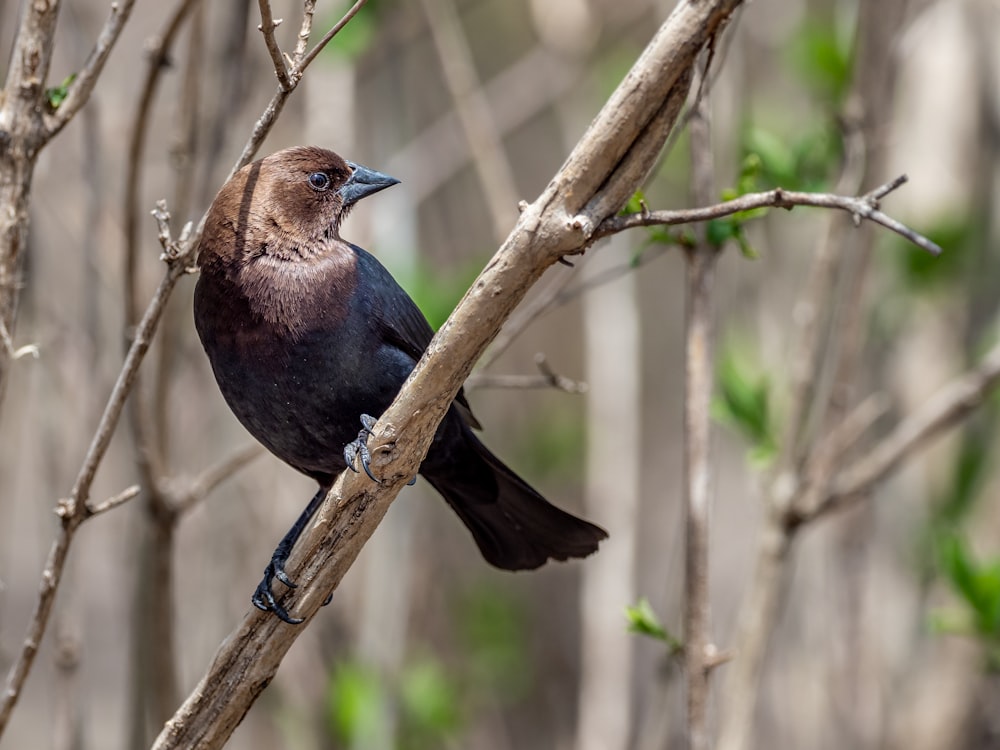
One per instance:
(306, 332)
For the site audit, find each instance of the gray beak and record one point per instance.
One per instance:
(363, 182)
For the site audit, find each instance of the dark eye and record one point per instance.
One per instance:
(319, 181)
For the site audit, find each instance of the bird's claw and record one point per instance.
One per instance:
(358, 449)
(264, 599)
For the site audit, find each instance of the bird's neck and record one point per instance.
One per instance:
(289, 291)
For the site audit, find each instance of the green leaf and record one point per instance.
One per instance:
(494, 639)
(634, 205)
(57, 95)
(354, 703)
(822, 54)
(437, 291)
(743, 405)
(643, 620)
(355, 38)
(803, 160)
(429, 702)
(978, 583)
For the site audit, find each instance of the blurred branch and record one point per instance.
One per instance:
(496, 177)
(952, 404)
(547, 378)
(861, 207)
(79, 91)
(306, 60)
(699, 379)
(183, 499)
(114, 501)
(157, 54)
(604, 169)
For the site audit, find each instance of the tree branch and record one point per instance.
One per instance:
(861, 207)
(83, 85)
(267, 26)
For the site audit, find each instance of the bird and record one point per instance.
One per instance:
(307, 334)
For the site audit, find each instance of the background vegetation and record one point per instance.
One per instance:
(890, 631)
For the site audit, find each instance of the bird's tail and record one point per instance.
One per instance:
(514, 526)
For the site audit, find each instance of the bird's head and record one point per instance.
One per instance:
(290, 203)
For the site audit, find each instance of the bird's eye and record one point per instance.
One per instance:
(319, 181)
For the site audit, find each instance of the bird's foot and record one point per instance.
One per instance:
(264, 599)
(358, 449)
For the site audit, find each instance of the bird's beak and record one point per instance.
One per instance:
(362, 182)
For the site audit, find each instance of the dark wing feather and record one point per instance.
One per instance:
(400, 322)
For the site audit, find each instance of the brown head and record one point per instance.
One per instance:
(285, 207)
(272, 237)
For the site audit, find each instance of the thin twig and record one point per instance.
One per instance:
(548, 378)
(82, 86)
(300, 68)
(305, 30)
(496, 177)
(861, 207)
(212, 477)
(95, 509)
(267, 26)
(952, 404)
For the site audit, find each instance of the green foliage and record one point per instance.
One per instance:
(427, 704)
(552, 444)
(57, 95)
(717, 231)
(923, 272)
(355, 38)
(355, 699)
(822, 54)
(804, 161)
(643, 620)
(977, 585)
(493, 635)
(436, 292)
(429, 699)
(743, 404)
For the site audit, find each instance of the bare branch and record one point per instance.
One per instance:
(496, 177)
(114, 501)
(699, 379)
(952, 404)
(267, 26)
(300, 67)
(82, 86)
(305, 30)
(861, 207)
(548, 378)
(212, 477)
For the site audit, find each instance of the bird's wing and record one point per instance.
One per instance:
(400, 321)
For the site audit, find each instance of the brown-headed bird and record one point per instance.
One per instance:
(308, 333)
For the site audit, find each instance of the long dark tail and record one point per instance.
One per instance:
(514, 527)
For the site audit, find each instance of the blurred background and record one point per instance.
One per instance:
(891, 632)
